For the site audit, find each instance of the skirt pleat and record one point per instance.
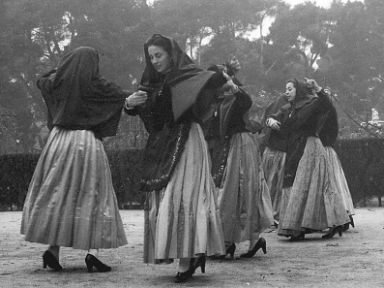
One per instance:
(273, 166)
(313, 203)
(71, 201)
(244, 199)
(183, 220)
(338, 179)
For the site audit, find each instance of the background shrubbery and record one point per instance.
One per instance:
(341, 46)
(363, 164)
(362, 161)
(16, 171)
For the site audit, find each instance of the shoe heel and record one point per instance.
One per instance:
(89, 267)
(264, 248)
(202, 266)
(89, 263)
(231, 250)
(352, 222)
(92, 262)
(50, 261)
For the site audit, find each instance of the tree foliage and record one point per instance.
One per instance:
(342, 47)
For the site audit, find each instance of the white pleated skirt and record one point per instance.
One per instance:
(338, 179)
(71, 201)
(244, 199)
(313, 203)
(273, 166)
(183, 220)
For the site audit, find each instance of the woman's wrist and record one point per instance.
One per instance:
(268, 121)
(127, 106)
(318, 89)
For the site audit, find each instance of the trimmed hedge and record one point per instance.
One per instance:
(16, 171)
(363, 165)
(362, 160)
(125, 177)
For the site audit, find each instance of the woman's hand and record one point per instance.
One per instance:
(229, 85)
(313, 84)
(135, 99)
(273, 123)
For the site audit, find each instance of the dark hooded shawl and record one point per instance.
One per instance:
(184, 93)
(78, 98)
(177, 99)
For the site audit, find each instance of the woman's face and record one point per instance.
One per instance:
(160, 59)
(290, 91)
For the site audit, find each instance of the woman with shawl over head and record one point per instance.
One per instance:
(310, 202)
(182, 219)
(244, 200)
(71, 201)
(328, 136)
(274, 157)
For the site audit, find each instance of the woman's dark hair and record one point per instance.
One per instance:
(304, 92)
(302, 88)
(158, 40)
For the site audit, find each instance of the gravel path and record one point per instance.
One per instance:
(354, 260)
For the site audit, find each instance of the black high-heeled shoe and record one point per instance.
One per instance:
(229, 251)
(195, 263)
(92, 262)
(346, 227)
(333, 231)
(299, 237)
(351, 222)
(261, 243)
(198, 262)
(182, 277)
(50, 260)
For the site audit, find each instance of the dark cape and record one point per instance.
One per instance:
(330, 130)
(78, 98)
(176, 99)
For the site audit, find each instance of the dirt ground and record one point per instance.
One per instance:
(354, 260)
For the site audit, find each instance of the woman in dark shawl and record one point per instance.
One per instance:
(182, 220)
(274, 156)
(71, 201)
(309, 202)
(243, 197)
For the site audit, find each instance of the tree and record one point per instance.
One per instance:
(36, 33)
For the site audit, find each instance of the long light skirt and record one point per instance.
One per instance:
(313, 202)
(183, 219)
(339, 180)
(71, 201)
(244, 200)
(273, 166)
